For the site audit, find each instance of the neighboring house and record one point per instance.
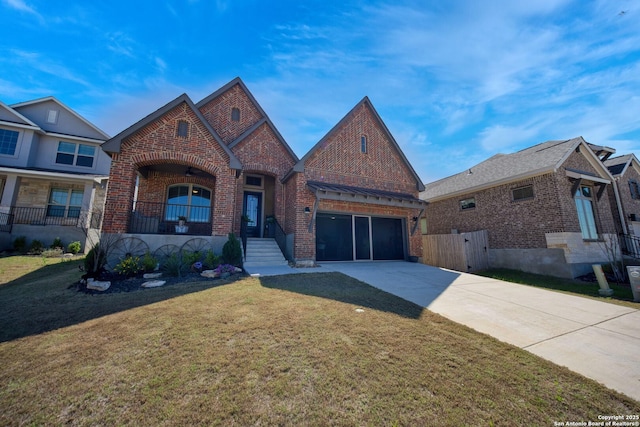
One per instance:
(221, 163)
(626, 171)
(546, 208)
(53, 174)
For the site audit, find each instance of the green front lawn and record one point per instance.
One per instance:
(306, 349)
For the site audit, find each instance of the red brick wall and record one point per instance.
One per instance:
(519, 224)
(340, 160)
(629, 204)
(157, 143)
(218, 113)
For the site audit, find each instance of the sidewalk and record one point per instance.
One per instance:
(596, 339)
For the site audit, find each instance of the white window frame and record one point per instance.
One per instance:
(76, 154)
(68, 207)
(585, 208)
(15, 149)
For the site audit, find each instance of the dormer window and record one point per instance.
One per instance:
(235, 114)
(183, 129)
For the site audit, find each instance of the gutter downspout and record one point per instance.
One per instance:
(619, 205)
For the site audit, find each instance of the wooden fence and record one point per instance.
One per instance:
(466, 252)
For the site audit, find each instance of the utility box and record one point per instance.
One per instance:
(634, 279)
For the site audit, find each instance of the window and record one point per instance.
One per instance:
(64, 203)
(469, 203)
(8, 141)
(75, 154)
(634, 189)
(52, 116)
(522, 193)
(586, 218)
(183, 129)
(190, 201)
(423, 226)
(254, 181)
(363, 144)
(235, 114)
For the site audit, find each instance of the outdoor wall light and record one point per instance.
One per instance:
(307, 210)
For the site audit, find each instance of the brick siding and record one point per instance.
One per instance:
(520, 224)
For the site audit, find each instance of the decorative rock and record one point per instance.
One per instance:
(153, 283)
(210, 274)
(151, 275)
(97, 285)
(238, 270)
(67, 255)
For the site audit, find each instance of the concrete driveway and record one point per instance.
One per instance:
(596, 339)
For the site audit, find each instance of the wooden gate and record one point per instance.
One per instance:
(466, 252)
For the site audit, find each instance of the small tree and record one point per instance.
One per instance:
(610, 247)
(232, 251)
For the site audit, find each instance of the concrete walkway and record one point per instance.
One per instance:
(596, 339)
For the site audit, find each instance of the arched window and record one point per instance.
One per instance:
(235, 114)
(190, 201)
(363, 144)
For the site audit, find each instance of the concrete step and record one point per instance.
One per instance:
(263, 253)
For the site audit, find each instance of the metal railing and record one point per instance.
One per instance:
(6, 221)
(53, 215)
(281, 238)
(163, 218)
(630, 245)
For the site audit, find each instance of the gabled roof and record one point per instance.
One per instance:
(500, 169)
(265, 118)
(618, 166)
(114, 144)
(20, 105)
(10, 116)
(299, 166)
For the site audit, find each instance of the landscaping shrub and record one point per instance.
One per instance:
(36, 247)
(211, 260)
(74, 247)
(95, 261)
(189, 258)
(20, 244)
(232, 252)
(172, 265)
(57, 243)
(130, 266)
(149, 262)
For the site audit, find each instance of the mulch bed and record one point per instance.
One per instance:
(120, 283)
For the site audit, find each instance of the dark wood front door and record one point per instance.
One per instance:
(252, 210)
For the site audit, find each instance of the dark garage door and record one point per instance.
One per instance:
(348, 237)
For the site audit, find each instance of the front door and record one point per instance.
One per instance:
(252, 210)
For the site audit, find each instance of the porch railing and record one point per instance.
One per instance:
(6, 221)
(163, 218)
(281, 238)
(630, 245)
(53, 215)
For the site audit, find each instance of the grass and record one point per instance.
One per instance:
(622, 294)
(307, 349)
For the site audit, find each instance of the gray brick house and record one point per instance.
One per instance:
(548, 209)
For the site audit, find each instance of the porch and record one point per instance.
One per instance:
(168, 218)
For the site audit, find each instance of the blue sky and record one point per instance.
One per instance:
(455, 82)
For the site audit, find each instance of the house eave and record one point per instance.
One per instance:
(52, 174)
(508, 180)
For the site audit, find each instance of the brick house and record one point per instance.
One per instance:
(222, 160)
(53, 174)
(626, 171)
(547, 208)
